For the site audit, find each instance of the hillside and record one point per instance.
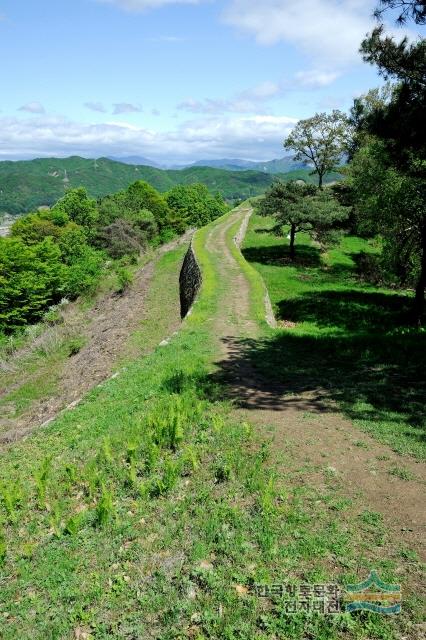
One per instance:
(25, 185)
(157, 508)
(28, 184)
(279, 165)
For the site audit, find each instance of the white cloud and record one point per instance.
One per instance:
(329, 30)
(126, 107)
(143, 5)
(315, 79)
(33, 107)
(248, 101)
(256, 137)
(95, 106)
(262, 91)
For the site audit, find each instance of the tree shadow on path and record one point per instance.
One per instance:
(372, 369)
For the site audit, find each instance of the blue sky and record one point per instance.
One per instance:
(174, 80)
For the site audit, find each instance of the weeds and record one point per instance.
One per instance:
(41, 477)
(401, 473)
(11, 494)
(104, 508)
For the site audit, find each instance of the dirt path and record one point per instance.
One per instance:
(311, 439)
(106, 328)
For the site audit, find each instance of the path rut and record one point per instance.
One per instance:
(310, 438)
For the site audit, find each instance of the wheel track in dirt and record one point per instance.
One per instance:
(328, 442)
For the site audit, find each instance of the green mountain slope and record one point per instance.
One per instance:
(25, 185)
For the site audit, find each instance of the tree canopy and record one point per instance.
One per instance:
(407, 9)
(389, 167)
(302, 207)
(320, 141)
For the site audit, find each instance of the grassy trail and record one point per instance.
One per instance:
(307, 421)
(153, 508)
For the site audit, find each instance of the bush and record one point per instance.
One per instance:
(83, 275)
(120, 238)
(193, 205)
(124, 279)
(30, 279)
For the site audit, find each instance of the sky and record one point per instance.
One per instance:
(174, 81)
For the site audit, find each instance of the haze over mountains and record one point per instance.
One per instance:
(280, 165)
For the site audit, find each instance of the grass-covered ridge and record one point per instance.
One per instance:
(342, 334)
(150, 511)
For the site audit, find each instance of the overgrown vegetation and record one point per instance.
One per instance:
(63, 252)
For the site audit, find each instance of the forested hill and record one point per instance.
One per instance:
(26, 185)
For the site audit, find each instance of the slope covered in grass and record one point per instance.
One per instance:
(151, 511)
(344, 335)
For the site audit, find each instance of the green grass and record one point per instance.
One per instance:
(35, 375)
(341, 335)
(151, 511)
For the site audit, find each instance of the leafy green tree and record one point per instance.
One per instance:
(79, 207)
(320, 141)
(83, 273)
(302, 207)
(30, 279)
(193, 205)
(33, 228)
(140, 195)
(144, 222)
(72, 242)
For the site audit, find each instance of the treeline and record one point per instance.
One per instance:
(28, 184)
(384, 194)
(64, 251)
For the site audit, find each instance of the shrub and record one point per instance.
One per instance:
(83, 275)
(120, 238)
(124, 279)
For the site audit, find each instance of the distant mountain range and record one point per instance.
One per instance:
(28, 184)
(283, 165)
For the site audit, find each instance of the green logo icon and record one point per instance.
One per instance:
(373, 595)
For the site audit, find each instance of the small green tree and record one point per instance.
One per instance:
(30, 280)
(79, 207)
(193, 205)
(302, 208)
(141, 195)
(320, 141)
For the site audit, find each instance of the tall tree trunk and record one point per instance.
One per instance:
(320, 179)
(292, 239)
(419, 304)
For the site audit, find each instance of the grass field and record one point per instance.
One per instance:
(342, 335)
(150, 511)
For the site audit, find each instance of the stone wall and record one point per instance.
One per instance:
(189, 282)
